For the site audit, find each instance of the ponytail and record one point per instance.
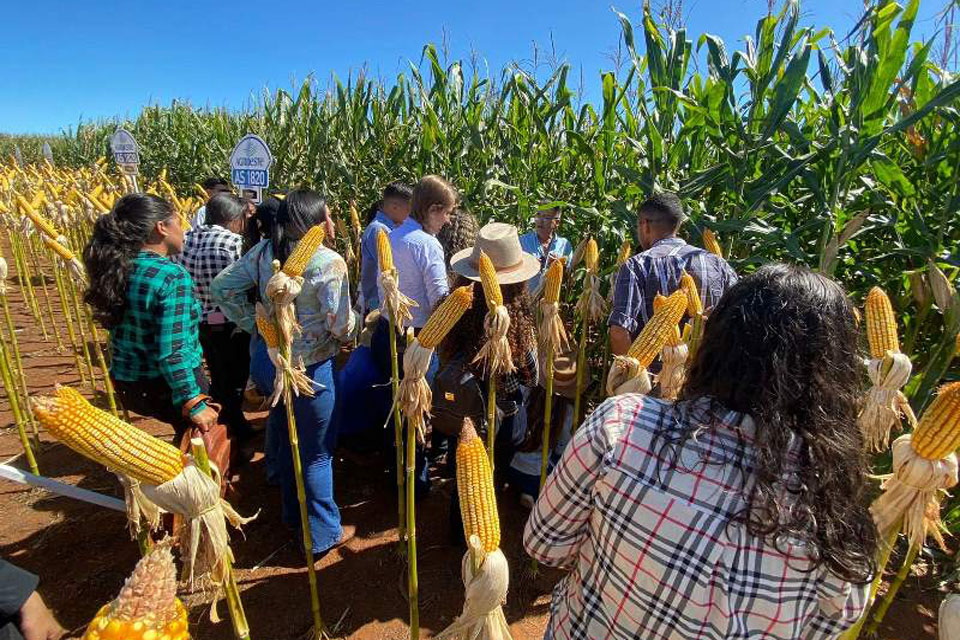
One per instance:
(117, 238)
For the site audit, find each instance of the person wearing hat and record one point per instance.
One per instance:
(524, 473)
(501, 243)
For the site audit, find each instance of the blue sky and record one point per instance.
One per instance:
(70, 59)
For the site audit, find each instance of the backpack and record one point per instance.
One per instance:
(457, 394)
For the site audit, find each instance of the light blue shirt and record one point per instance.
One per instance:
(559, 247)
(323, 306)
(421, 271)
(369, 264)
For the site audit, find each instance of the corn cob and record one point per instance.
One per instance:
(355, 219)
(591, 255)
(384, 251)
(147, 607)
(488, 278)
(625, 251)
(38, 220)
(938, 433)
(478, 501)
(710, 243)
(677, 338)
(307, 246)
(447, 314)
(552, 280)
(658, 330)
(268, 331)
(689, 287)
(110, 441)
(59, 249)
(881, 324)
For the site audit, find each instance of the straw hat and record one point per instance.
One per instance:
(565, 374)
(501, 243)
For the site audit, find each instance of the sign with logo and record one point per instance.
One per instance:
(250, 166)
(126, 151)
(48, 153)
(18, 155)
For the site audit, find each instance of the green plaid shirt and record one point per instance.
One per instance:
(158, 336)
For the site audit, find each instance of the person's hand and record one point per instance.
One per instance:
(37, 622)
(205, 419)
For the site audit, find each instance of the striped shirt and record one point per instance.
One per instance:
(656, 551)
(658, 270)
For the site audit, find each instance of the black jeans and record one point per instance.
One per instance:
(227, 352)
(152, 397)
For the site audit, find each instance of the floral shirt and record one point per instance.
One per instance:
(323, 306)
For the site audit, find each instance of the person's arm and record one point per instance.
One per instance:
(434, 273)
(560, 520)
(20, 601)
(333, 290)
(176, 338)
(16, 585)
(229, 290)
(369, 269)
(627, 299)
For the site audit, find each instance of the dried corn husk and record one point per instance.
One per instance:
(885, 401)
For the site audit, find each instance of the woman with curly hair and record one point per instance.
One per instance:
(147, 303)
(737, 511)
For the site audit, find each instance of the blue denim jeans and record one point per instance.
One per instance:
(317, 440)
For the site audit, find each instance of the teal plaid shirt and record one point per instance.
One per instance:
(158, 335)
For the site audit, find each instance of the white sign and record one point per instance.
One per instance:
(48, 153)
(18, 155)
(126, 151)
(250, 164)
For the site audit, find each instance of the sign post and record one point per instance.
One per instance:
(126, 153)
(250, 166)
(48, 153)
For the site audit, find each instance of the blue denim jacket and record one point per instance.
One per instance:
(369, 265)
(323, 306)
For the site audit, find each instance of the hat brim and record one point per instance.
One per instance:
(529, 267)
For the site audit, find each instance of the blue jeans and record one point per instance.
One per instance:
(317, 440)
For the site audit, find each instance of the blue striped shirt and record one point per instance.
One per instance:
(658, 270)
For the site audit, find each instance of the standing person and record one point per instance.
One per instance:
(740, 509)
(545, 244)
(658, 268)
(23, 614)
(208, 250)
(391, 212)
(327, 322)
(211, 186)
(147, 303)
(458, 234)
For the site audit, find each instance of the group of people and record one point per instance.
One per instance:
(735, 511)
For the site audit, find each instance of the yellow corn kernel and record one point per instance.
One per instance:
(625, 250)
(268, 331)
(591, 255)
(677, 338)
(938, 433)
(355, 218)
(307, 246)
(552, 280)
(488, 278)
(881, 324)
(119, 446)
(689, 287)
(384, 252)
(658, 330)
(710, 243)
(478, 501)
(59, 249)
(38, 220)
(147, 607)
(445, 316)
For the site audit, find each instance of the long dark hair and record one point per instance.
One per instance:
(298, 212)
(781, 347)
(467, 336)
(117, 238)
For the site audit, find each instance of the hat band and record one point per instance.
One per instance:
(514, 267)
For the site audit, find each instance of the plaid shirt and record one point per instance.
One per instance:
(208, 250)
(658, 270)
(158, 335)
(656, 551)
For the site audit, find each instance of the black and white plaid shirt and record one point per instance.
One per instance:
(208, 250)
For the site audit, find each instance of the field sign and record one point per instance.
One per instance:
(126, 152)
(250, 166)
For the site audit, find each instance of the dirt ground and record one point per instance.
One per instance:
(83, 553)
